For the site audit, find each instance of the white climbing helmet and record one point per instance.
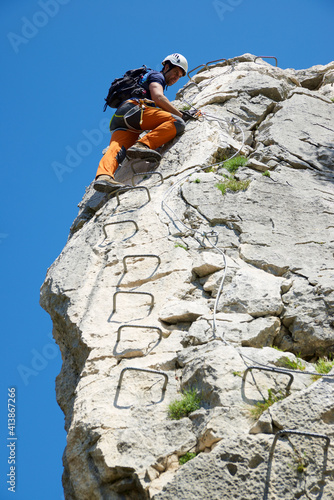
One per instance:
(178, 60)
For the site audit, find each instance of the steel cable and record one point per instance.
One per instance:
(205, 235)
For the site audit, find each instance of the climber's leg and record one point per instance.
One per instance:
(163, 128)
(115, 154)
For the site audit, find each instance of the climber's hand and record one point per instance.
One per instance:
(189, 115)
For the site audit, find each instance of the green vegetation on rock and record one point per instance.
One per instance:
(189, 402)
(185, 458)
(262, 406)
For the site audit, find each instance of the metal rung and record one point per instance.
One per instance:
(140, 160)
(200, 66)
(148, 173)
(138, 326)
(191, 82)
(266, 57)
(298, 433)
(267, 369)
(149, 160)
(133, 293)
(205, 66)
(119, 222)
(125, 190)
(139, 255)
(272, 449)
(143, 370)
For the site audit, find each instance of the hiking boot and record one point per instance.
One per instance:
(140, 150)
(106, 184)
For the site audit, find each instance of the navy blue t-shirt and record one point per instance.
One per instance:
(150, 77)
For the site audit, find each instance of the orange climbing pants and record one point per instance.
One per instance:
(163, 127)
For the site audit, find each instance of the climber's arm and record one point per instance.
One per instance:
(157, 95)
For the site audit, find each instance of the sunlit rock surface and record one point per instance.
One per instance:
(173, 286)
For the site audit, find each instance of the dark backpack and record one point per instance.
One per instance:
(126, 87)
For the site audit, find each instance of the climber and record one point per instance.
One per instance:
(133, 116)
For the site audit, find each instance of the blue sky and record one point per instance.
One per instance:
(58, 58)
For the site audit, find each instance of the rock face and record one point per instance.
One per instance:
(173, 286)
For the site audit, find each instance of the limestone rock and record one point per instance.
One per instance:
(207, 263)
(302, 140)
(170, 286)
(181, 311)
